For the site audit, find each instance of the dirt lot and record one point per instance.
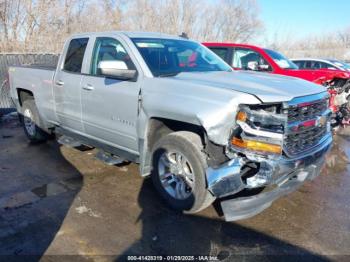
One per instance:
(55, 200)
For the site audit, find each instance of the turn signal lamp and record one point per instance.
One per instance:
(256, 146)
(241, 116)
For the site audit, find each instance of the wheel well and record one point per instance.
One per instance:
(24, 94)
(159, 127)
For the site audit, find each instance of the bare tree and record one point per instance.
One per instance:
(42, 25)
(231, 20)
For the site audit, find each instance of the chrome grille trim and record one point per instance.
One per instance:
(307, 99)
(307, 112)
(300, 142)
(307, 123)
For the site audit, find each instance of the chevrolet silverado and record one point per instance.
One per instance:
(200, 130)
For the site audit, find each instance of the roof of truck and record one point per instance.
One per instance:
(131, 34)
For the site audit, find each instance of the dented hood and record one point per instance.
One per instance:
(267, 87)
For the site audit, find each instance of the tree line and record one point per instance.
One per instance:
(37, 26)
(42, 25)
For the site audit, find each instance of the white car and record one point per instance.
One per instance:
(312, 63)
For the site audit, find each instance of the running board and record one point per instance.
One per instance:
(109, 159)
(69, 141)
(83, 141)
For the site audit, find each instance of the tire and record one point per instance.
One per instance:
(185, 147)
(31, 121)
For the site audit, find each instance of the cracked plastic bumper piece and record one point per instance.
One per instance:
(288, 174)
(245, 207)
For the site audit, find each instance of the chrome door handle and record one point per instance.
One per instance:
(59, 83)
(88, 87)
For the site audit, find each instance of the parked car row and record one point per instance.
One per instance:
(314, 63)
(331, 73)
(201, 130)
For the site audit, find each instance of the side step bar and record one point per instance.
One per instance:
(103, 156)
(69, 141)
(109, 159)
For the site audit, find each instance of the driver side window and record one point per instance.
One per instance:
(109, 49)
(243, 56)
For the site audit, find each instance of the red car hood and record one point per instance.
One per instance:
(317, 76)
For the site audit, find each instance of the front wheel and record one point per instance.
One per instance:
(179, 172)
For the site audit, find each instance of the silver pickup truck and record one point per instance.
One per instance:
(199, 129)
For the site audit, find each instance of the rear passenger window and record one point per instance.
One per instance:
(300, 64)
(326, 66)
(316, 65)
(221, 52)
(75, 55)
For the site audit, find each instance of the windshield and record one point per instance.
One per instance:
(281, 60)
(341, 64)
(168, 57)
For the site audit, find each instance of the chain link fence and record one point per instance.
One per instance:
(7, 60)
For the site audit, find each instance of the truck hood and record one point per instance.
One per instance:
(267, 87)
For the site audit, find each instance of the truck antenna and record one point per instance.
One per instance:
(184, 35)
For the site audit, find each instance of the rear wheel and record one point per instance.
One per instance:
(31, 121)
(179, 172)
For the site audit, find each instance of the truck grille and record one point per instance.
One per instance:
(300, 142)
(307, 111)
(309, 132)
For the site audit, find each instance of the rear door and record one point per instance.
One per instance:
(67, 85)
(109, 105)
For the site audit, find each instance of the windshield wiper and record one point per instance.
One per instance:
(169, 74)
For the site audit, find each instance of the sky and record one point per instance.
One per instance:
(303, 18)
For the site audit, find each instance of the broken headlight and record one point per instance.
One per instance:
(259, 129)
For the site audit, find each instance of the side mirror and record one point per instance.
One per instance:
(117, 69)
(253, 65)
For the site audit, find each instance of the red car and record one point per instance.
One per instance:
(249, 57)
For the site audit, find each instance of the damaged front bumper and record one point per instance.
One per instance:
(287, 174)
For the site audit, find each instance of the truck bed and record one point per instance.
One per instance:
(39, 66)
(37, 79)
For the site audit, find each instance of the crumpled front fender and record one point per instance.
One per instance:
(212, 108)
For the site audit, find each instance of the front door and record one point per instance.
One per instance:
(67, 87)
(109, 105)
